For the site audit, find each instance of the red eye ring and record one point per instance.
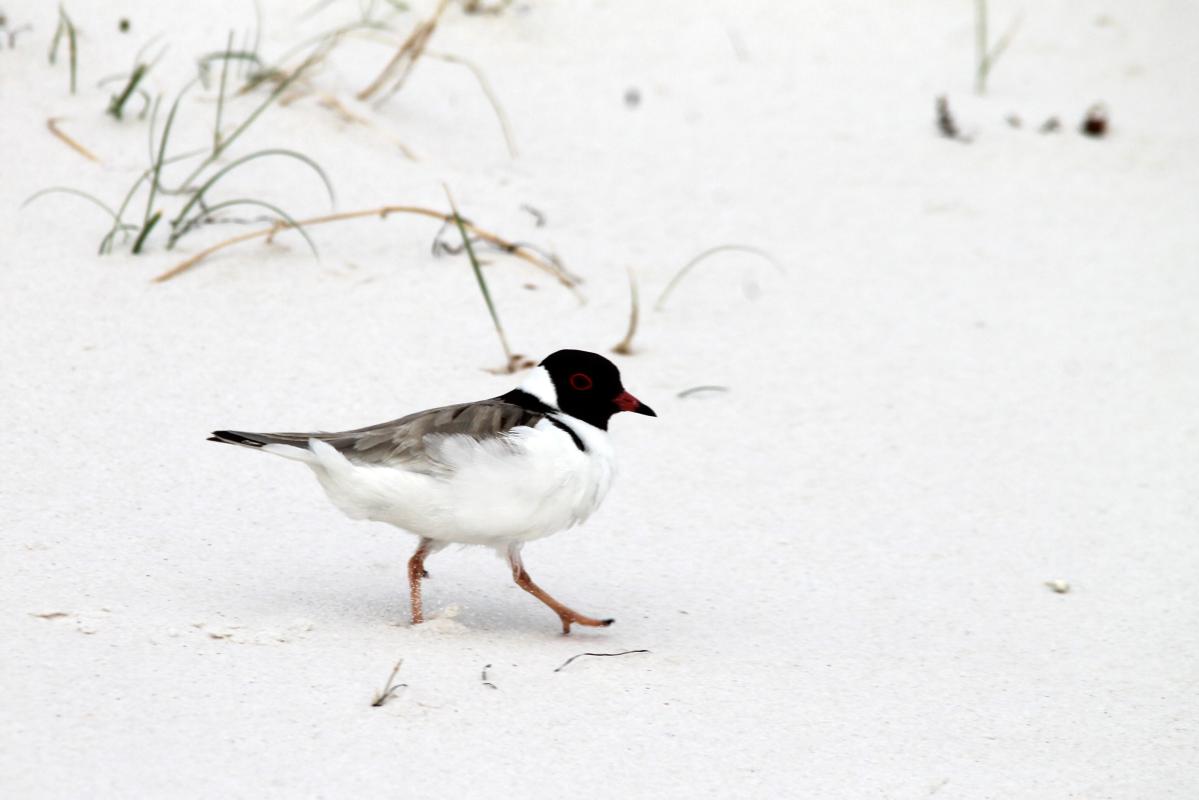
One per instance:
(580, 382)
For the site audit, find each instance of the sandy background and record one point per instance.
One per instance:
(976, 372)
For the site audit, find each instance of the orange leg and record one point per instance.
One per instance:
(567, 615)
(416, 571)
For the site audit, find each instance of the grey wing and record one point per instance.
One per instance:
(406, 441)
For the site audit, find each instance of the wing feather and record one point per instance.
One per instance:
(409, 441)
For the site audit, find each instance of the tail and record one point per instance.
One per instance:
(240, 437)
(288, 445)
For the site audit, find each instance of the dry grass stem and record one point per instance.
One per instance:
(400, 66)
(485, 86)
(517, 250)
(711, 251)
(52, 126)
(389, 688)
(625, 347)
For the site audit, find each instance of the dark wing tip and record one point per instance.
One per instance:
(234, 437)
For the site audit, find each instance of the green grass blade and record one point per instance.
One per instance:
(68, 190)
(220, 98)
(198, 195)
(157, 171)
(274, 95)
(474, 263)
(145, 231)
(72, 46)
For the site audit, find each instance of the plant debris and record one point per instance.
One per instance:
(538, 216)
(484, 677)
(389, 688)
(701, 389)
(1095, 122)
(946, 124)
(521, 251)
(625, 346)
(52, 126)
(566, 663)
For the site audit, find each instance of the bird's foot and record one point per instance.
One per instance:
(568, 617)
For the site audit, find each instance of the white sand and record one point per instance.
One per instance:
(978, 373)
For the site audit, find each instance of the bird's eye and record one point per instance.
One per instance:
(580, 382)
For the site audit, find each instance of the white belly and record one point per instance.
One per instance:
(531, 483)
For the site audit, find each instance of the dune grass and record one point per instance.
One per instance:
(193, 194)
(711, 251)
(389, 688)
(521, 251)
(402, 62)
(512, 361)
(625, 346)
(65, 28)
(986, 53)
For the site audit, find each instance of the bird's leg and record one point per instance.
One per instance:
(416, 571)
(567, 615)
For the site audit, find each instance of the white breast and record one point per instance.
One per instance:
(531, 483)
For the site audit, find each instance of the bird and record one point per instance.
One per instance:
(499, 472)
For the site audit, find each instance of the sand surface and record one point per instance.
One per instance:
(975, 371)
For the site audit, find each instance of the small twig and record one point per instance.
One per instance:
(538, 216)
(520, 251)
(389, 688)
(625, 347)
(566, 663)
(484, 677)
(52, 125)
(698, 389)
(945, 122)
(486, 87)
(14, 32)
